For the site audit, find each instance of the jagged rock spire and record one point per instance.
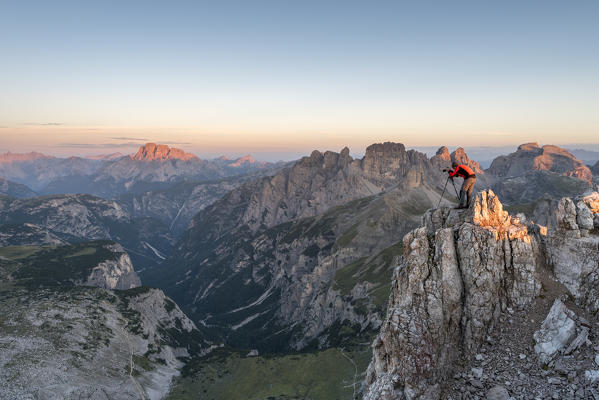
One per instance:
(459, 271)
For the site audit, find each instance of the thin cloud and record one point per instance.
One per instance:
(45, 124)
(177, 143)
(98, 145)
(129, 138)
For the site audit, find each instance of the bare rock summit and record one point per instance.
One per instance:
(161, 152)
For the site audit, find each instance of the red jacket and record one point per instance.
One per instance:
(463, 171)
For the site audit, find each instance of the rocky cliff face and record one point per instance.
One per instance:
(531, 157)
(296, 280)
(318, 182)
(572, 247)
(295, 246)
(115, 272)
(466, 290)
(101, 264)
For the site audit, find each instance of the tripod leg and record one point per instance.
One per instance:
(456, 190)
(442, 193)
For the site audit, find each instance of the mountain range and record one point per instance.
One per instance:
(304, 256)
(152, 167)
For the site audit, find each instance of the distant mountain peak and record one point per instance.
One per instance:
(532, 157)
(532, 146)
(111, 156)
(243, 161)
(161, 152)
(9, 157)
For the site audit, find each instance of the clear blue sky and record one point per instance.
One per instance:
(226, 75)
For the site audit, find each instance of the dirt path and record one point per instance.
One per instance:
(131, 367)
(355, 372)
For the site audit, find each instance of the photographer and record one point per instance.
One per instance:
(469, 176)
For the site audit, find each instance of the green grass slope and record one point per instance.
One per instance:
(332, 374)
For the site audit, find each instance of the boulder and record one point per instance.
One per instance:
(558, 328)
(584, 216)
(592, 375)
(566, 215)
(498, 393)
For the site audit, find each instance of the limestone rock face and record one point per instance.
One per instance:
(322, 180)
(116, 273)
(572, 249)
(459, 271)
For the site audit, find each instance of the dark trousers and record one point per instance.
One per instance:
(466, 190)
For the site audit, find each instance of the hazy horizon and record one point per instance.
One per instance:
(284, 78)
(482, 153)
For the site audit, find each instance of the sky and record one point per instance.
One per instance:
(280, 78)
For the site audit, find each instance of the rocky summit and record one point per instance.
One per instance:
(488, 304)
(532, 157)
(160, 152)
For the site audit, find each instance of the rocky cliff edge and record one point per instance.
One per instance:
(464, 278)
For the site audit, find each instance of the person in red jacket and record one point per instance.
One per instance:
(464, 171)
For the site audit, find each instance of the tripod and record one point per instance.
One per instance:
(444, 187)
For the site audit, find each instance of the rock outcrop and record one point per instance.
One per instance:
(558, 329)
(465, 276)
(572, 248)
(115, 272)
(459, 271)
(531, 157)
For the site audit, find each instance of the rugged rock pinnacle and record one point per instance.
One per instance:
(459, 271)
